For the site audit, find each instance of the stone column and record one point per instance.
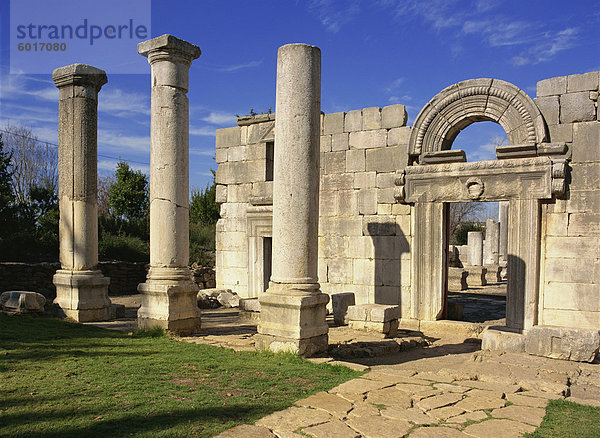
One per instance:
(169, 293)
(81, 290)
(503, 237)
(475, 243)
(293, 308)
(490, 250)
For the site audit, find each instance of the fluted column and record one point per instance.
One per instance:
(293, 308)
(81, 289)
(169, 293)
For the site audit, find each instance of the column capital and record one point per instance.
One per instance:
(79, 74)
(169, 48)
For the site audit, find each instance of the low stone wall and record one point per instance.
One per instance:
(124, 277)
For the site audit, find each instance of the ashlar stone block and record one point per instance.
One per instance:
(340, 303)
(355, 160)
(586, 142)
(353, 121)
(228, 137)
(367, 201)
(368, 139)
(333, 123)
(550, 108)
(339, 142)
(580, 345)
(577, 107)
(583, 82)
(365, 180)
(387, 159)
(399, 136)
(371, 118)
(552, 86)
(393, 116)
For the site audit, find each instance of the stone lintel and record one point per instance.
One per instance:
(494, 180)
(447, 156)
(79, 74)
(258, 118)
(516, 151)
(168, 46)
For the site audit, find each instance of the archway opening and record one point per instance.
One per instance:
(479, 140)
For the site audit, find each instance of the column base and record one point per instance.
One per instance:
(82, 295)
(293, 320)
(169, 304)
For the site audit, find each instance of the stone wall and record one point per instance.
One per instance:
(570, 290)
(124, 277)
(364, 236)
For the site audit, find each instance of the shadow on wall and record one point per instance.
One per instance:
(389, 244)
(515, 292)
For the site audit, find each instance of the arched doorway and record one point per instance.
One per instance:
(527, 171)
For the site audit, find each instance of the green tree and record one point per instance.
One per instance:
(128, 196)
(7, 196)
(203, 207)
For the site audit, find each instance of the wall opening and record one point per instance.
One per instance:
(267, 261)
(270, 155)
(476, 282)
(479, 140)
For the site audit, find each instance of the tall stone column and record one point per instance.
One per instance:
(490, 249)
(293, 308)
(503, 238)
(169, 293)
(475, 243)
(81, 289)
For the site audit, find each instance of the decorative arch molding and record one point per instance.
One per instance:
(475, 100)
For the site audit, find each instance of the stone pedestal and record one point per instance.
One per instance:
(379, 318)
(457, 279)
(475, 243)
(82, 295)
(169, 293)
(81, 290)
(476, 275)
(293, 309)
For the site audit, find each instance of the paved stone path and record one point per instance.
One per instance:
(447, 388)
(450, 389)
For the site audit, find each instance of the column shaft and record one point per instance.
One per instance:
(82, 291)
(293, 309)
(475, 243)
(169, 293)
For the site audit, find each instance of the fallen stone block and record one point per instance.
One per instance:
(340, 303)
(19, 301)
(502, 339)
(381, 318)
(229, 299)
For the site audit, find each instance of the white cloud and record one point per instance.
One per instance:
(121, 142)
(332, 14)
(219, 118)
(109, 166)
(202, 130)
(231, 68)
(116, 100)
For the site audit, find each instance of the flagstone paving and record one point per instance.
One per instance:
(445, 390)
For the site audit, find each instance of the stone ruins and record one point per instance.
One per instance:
(351, 208)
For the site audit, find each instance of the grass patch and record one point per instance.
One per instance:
(60, 379)
(567, 419)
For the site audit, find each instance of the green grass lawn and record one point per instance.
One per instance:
(569, 420)
(60, 379)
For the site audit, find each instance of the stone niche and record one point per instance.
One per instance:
(260, 233)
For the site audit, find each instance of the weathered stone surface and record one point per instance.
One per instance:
(355, 160)
(379, 427)
(552, 86)
(550, 108)
(469, 416)
(393, 116)
(498, 429)
(229, 299)
(563, 343)
(585, 142)
(475, 243)
(332, 123)
(437, 432)
(522, 400)
(502, 340)
(389, 397)
(446, 412)
(523, 414)
(331, 429)
(439, 401)
(353, 121)
(22, 301)
(577, 107)
(368, 139)
(336, 406)
(414, 415)
(471, 404)
(583, 82)
(340, 303)
(294, 418)
(457, 279)
(371, 118)
(359, 386)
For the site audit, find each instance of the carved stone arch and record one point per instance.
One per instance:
(475, 100)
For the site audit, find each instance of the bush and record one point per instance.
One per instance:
(460, 238)
(202, 244)
(123, 248)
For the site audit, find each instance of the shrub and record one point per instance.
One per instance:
(460, 238)
(202, 244)
(123, 248)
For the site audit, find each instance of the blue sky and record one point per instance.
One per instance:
(374, 53)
